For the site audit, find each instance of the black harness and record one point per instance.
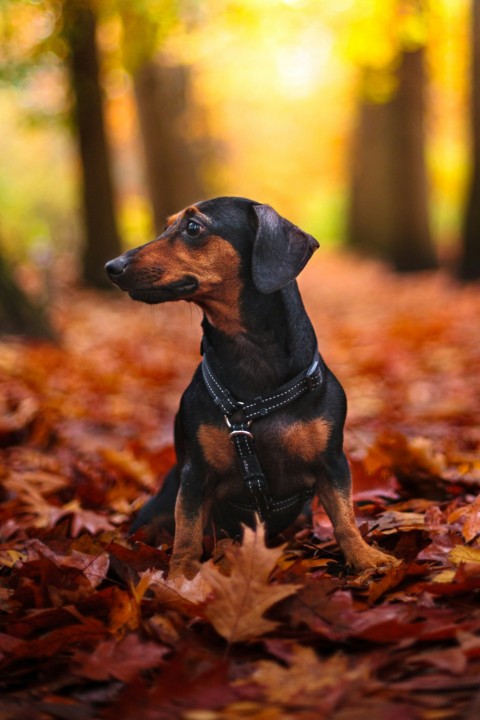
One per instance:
(239, 417)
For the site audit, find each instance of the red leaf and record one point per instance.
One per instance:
(121, 660)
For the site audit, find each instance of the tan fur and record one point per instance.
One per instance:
(215, 265)
(172, 219)
(306, 440)
(339, 509)
(187, 544)
(217, 448)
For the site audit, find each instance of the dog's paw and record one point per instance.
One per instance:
(194, 590)
(185, 570)
(371, 558)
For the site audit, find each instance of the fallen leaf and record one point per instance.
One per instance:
(241, 599)
(403, 645)
(124, 612)
(453, 660)
(122, 660)
(471, 519)
(394, 450)
(185, 595)
(9, 557)
(131, 466)
(464, 554)
(309, 680)
(82, 519)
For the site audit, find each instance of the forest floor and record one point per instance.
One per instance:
(89, 628)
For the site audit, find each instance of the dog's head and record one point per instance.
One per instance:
(209, 249)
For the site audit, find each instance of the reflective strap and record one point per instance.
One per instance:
(261, 406)
(252, 473)
(242, 436)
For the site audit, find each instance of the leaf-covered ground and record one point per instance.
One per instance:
(89, 628)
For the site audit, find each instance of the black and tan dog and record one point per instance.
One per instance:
(260, 427)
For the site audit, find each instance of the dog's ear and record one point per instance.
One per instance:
(280, 251)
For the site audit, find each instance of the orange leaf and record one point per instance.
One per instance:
(471, 515)
(308, 677)
(241, 599)
(124, 612)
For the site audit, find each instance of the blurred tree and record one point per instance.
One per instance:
(470, 262)
(173, 160)
(388, 213)
(101, 235)
(18, 314)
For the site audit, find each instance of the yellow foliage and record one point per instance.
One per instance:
(464, 554)
(276, 82)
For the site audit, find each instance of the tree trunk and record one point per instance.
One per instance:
(470, 262)
(371, 208)
(173, 162)
(101, 235)
(389, 205)
(18, 315)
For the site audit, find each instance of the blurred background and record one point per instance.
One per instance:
(357, 119)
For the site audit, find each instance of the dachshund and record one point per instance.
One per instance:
(259, 430)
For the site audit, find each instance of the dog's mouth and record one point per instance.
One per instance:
(177, 290)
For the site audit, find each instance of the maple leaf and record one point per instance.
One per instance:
(470, 514)
(101, 434)
(93, 567)
(31, 500)
(89, 520)
(122, 660)
(30, 489)
(186, 596)
(240, 599)
(309, 678)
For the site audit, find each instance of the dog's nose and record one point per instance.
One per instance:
(117, 266)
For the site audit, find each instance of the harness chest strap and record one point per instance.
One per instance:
(239, 417)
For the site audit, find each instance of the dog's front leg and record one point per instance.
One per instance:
(334, 492)
(189, 522)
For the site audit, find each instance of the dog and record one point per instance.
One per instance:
(259, 430)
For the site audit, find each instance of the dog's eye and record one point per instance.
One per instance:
(193, 229)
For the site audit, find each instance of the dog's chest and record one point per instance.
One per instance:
(285, 448)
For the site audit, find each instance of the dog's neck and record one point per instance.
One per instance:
(276, 343)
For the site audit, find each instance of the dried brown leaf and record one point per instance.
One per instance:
(241, 599)
(308, 679)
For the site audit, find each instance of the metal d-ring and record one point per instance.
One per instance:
(240, 432)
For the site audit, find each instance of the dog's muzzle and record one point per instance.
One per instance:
(115, 268)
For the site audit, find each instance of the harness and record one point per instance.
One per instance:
(239, 417)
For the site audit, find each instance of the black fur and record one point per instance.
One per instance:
(276, 342)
